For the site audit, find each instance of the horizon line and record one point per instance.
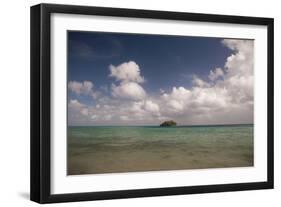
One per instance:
(192, 125)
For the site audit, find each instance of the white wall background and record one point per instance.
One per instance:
(14, 102)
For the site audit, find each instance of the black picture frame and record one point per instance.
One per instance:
(40, 184)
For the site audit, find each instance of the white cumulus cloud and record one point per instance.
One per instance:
(215, 74)
(127, 71)
(75, 104)
(85, 88)
(128, 75)
(128, 90)
(199, 82)
(151, 106)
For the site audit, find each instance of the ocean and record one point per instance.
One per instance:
(116, 149)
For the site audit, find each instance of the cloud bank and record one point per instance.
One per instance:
(225, 97)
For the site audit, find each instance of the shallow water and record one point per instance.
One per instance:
(129, 149)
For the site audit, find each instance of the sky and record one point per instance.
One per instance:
(140, 79)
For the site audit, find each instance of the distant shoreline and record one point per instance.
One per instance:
(178, 126)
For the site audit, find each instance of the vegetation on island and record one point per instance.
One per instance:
(168, 123)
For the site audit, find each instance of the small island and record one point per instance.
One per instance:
(168, 123)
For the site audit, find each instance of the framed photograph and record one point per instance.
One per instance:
(133, 103)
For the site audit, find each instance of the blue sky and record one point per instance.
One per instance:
(162, 62)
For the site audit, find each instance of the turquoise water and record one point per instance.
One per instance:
(128, 149)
